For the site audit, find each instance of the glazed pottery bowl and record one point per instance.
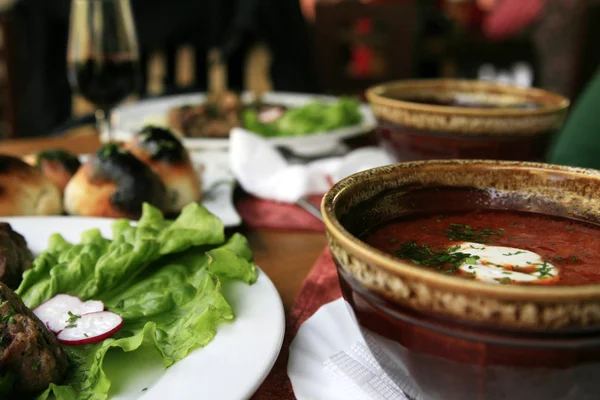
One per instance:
(443, 337)
(451, 119)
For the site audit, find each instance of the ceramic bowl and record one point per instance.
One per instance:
(451, 119)
(461, 339)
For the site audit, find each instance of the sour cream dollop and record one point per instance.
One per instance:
(502, 265)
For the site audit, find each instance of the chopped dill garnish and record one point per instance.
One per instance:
(425, 256)
(466, 233)
(514, 254)
(72, 319)
(544, 270)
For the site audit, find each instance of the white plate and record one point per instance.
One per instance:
(232, 366)
(218, 184)
(326, 340)
(130, 118)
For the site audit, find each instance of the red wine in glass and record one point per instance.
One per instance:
(103, 54)
(105, 82)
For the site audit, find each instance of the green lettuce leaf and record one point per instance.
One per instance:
(195, 226)
(163, 277)
(316, 117)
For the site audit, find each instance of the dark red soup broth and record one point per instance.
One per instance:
(571, 246)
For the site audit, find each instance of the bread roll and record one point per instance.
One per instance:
(58, 165)
(24, 190)
(113, 183)
(163, 152)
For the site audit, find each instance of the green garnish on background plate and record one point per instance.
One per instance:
(163, 277)
(316, 117)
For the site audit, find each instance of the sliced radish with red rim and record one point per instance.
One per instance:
(57, 312)
(91, 328)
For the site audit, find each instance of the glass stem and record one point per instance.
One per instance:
(104, 125)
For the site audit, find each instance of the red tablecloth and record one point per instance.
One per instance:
(259, 213)
(321, 287)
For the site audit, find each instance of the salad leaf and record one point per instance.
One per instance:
(195, 226)
(316, 117)
(251, 122)
(163, 277)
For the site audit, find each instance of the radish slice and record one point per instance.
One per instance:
(91, 328)
(271, 114)
(54, 313)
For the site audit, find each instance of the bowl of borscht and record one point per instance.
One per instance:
(463, 119)
(474, 279)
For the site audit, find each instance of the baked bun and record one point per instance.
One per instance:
(58, 165)
(24, 190)
(160, 150)
(115, 184)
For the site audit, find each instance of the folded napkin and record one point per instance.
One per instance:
(265, 173)
(320, 288)
(331, 359)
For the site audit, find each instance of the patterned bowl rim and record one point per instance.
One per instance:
(380, 260)
(552, 104)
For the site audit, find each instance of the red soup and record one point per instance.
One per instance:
(499, 247)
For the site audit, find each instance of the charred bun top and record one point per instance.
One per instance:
(135, 182)
(161, 145)
(68, 161)
(58, 165)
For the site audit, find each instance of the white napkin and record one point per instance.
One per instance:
(330, 359)
(262, 171)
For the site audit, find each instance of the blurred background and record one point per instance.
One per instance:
(315, 46)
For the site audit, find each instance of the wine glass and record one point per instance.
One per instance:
(103, 55)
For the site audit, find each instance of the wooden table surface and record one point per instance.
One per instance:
(286, 257)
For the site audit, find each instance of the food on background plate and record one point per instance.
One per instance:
(160, 283)
(165, 155)
(313, 118)
(58, 165)
(498, 247)
(30, 356)
(25, 190)
(113, 183)
(15, 257)
(216, 118)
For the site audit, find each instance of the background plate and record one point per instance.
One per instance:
(130, 118)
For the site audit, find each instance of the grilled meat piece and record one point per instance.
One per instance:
(15, 257)
(27, 348)
(212, 119)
